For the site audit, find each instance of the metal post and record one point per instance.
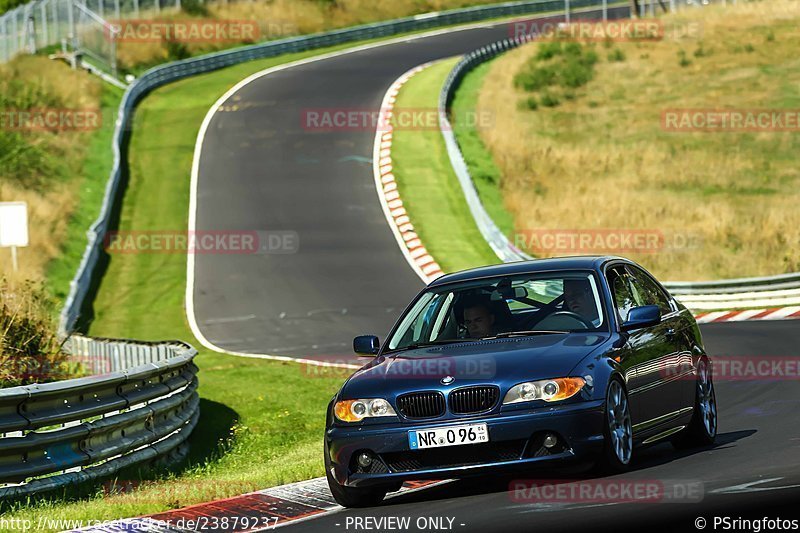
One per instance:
(45, 32)
(566, 11)
(113, 33)
(15, 31)
(30, 34)
(4, 35)
(116, 10)
(101, 8)
(672, 6)
(72, 37)
(56, 25)
(157, 3)
(652, 8)
(136, 8)
(178, 4)
(14, 258)
(605, 10)
(642, 7)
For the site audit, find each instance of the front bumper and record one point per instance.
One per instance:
(515, 439)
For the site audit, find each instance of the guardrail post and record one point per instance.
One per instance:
(45, 32)
(72, 37)
(4, 37)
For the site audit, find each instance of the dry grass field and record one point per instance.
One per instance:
(726, 203)
(42, 168)
(275, 19)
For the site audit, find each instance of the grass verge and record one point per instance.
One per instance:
(264, 431)
(467, 125)
(427, 184)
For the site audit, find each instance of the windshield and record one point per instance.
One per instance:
(528, 304)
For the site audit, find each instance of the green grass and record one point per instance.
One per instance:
(91, 189)
(428, 186)
(485, 174)
(266, 430)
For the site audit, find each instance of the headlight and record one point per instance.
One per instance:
(357, 410)
(549, 390)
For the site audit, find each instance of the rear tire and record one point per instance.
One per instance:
(702, 429)
(617, 431)
(352, 496)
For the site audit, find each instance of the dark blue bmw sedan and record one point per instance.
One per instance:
(520, 364)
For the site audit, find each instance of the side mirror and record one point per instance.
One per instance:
(366, 345)
(642, 317)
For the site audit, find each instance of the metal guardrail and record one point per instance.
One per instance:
(143, 405)
(167, 73)
(779, 290)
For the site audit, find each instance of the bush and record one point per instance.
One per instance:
(682, 59)
(616, 56)
(194, 7)
(536, 78)
(550, 100)
(29, 348)
(549, 50)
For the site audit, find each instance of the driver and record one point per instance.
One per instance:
(579, 300)
(479, 320)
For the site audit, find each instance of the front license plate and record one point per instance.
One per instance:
(448, 436)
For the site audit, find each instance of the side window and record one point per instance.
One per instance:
(618, 281)
(649, 292)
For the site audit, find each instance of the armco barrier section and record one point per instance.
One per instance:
(770, 291)
(142, 406)
(167, 73)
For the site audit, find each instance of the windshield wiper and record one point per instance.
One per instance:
(525, 333)
(428, 344)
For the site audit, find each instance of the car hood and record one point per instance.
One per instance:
(500, 361)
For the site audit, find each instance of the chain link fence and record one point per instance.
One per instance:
(81, 26)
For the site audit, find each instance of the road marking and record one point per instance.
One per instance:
(751, 487)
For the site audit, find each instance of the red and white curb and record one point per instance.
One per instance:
(257, 511)
(775, 313)
(415, 253)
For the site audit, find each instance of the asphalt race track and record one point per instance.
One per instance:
(261, 170)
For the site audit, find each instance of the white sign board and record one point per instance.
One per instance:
(13, 224)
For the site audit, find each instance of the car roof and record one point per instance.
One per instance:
(580, 262)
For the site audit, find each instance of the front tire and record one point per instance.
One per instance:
(618, 431)
(351, 496)
(702, 429)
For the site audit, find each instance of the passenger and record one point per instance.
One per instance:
(579, 300)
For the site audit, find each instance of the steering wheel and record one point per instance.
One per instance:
(567, 314)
